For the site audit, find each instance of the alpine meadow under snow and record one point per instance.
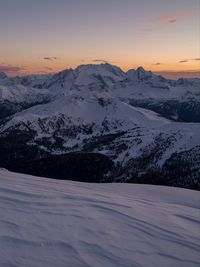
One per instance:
(46, 222)
(97, 123)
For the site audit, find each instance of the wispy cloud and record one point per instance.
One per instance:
(157, 64)
(100, 60)
(183, 61)
(51, 58)
(189, 59)
(196, 59)
(103, 61)
(160, 22)
(172, 20)
(174, 16)
(11, 68)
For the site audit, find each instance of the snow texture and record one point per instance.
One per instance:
(47, 222)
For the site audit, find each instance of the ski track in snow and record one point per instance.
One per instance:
(45, 222)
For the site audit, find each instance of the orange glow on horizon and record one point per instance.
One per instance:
(173, 71)
(157, 35)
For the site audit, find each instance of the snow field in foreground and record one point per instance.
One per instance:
(45, 222)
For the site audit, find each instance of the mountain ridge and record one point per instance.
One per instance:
(140, 121)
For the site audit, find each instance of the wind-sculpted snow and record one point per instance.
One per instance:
(47, 222)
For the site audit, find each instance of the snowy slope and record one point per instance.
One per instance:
(103, 114)
(22, 94)
(17, 97)
(47, 222)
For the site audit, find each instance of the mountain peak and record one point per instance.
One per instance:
(103, 67)
(63, 74)
(104, 73)
(140, 74)
(140, 69)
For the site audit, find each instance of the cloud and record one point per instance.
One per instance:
(196, 59)
(51, 58)
(184, 61)
(100, 60)
(10, 68)
(172, 20)
(191, 59)
(174, 16)
(166, 19)
(104, 61)
(157, 64)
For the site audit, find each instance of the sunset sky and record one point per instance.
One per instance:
(41, 36)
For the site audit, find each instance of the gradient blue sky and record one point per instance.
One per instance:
(50, 35)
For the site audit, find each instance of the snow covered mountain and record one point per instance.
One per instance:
(52, 223)
(133, 127)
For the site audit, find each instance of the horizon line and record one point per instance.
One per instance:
(168, 73)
